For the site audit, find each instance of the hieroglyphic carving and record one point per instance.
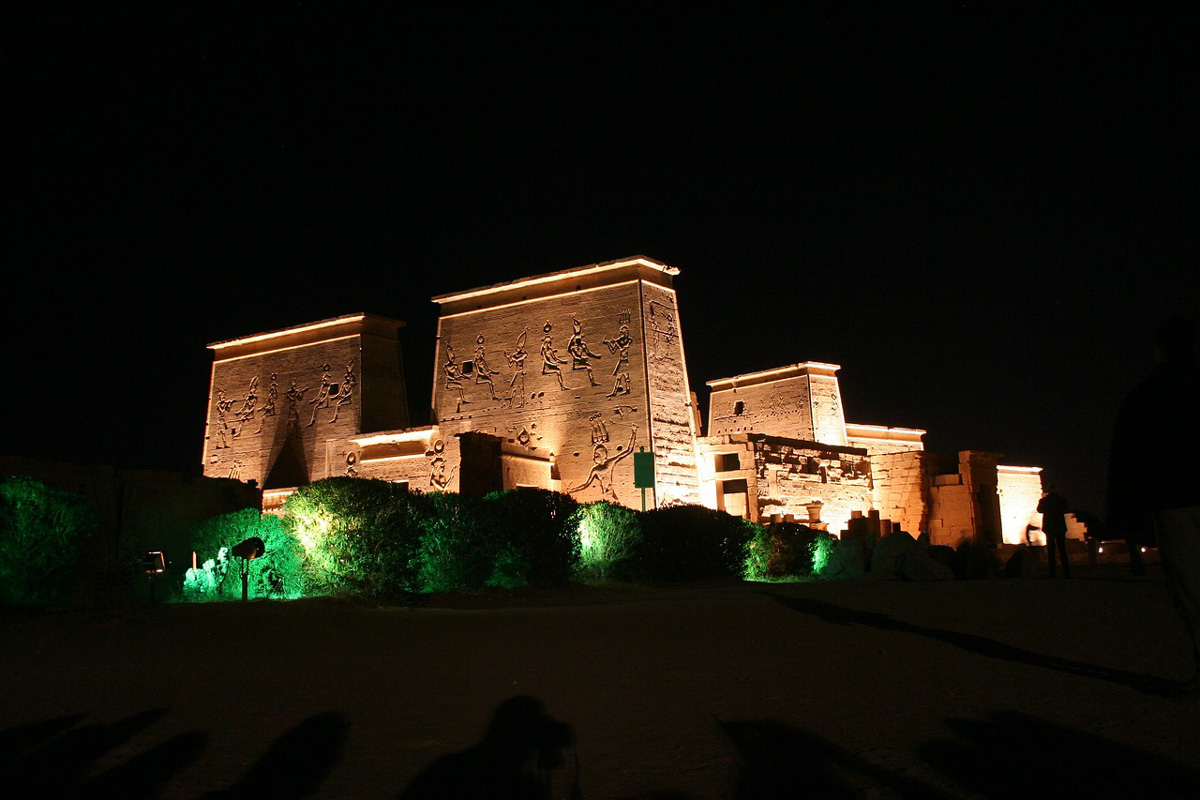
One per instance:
(516, 360)
(603, 463)
(346, 392)
(222, 433)
(483, 371)
(662, 323)
(268, 409)
(599, 429)
(294, 396)
(453, 376)
(580, 354)
(619, 345)
(246, 412)
(352, 464)
(551, 361)
(438, 477)
(328, 387)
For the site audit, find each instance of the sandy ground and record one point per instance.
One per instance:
(996, 688)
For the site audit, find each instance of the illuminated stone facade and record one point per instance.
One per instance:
(556, 381)
(282, 404)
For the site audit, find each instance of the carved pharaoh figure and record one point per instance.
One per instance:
(516, 360)
(294, 396)
(453, 375)
(580, 354)
(246, 412)
(328, 387)
(483, 371)
(551, 361)
(602, 467)
(268, 409)
(223, 407)
(620, 345)
(346, 394)
(662, 322)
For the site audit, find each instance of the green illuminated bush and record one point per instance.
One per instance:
(43, 532)
(690, 543)
(609, 538)
(457, 553)
(279, 572)
(535, 537)
(359, 536)
(786, 550)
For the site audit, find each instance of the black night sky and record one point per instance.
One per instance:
(977, 209)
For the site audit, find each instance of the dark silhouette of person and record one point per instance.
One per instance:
(1154, 471)
(516, 760)
(1053, 508)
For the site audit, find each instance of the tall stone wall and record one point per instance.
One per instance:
(270, 415)
(561, 378)
(281, 405)
(672, 428)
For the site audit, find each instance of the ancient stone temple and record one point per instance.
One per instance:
(557, 381)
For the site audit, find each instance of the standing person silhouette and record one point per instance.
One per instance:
(1154, 474)
(1053, 508)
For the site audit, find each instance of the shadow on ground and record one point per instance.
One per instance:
(525, 754)
(980, 645)
(56, 758)
(1015, 755)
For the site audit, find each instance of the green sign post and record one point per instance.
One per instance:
(643, 472)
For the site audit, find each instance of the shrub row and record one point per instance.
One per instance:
(373, 538)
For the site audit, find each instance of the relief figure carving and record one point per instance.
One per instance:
(328, 388)
(580, 354)
(662, 323)
(246, 412)
(347, 391)
(551, 361)
(483, 370)
(268, 409)
(453, 376)
(619, 345)
(222, 432)
(516, 360)
(294, 396)
(603, 464)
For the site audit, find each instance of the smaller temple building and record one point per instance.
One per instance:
(555, 381)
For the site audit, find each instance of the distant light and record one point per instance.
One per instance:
(1143, 549)
(1100, 550)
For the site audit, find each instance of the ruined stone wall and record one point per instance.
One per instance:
(782, 476)
(790, 476)
(271, 414)
(965, 506)
(728, 475)
(560, 378)
(672, 428)
(881, 440)
(901, 490)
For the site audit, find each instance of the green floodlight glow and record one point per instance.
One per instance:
(608, 535)
(821, 549)
(278, 572)
(42, 533)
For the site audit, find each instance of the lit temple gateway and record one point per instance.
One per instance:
(556, 381)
